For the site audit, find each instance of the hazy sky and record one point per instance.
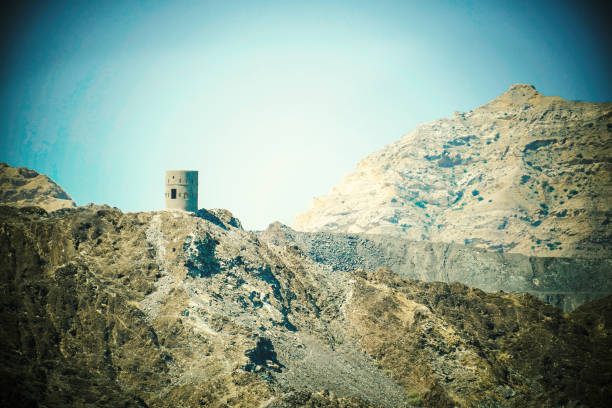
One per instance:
(272, 101)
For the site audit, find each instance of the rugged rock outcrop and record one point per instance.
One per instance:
(563, 282)
(25, 187)
(101, 308)
(524, 173)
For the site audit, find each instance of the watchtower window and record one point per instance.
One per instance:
(173, 193)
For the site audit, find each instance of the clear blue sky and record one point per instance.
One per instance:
(272, 101)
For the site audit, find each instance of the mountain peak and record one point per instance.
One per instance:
(517, 94)
(522, 87)
(523, 173)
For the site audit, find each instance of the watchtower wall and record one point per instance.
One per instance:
(182, 190)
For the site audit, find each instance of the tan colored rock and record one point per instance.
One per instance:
(167, 309)
(524, 173)
(24, 187)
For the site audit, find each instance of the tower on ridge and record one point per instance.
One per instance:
(182, 190)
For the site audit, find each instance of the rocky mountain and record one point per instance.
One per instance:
(524, 173)
(173, 309)
(25, 187)
(562, 282)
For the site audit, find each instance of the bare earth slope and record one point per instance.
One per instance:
(170, 309)
(563, 282)
(524, 173)
(25, 187)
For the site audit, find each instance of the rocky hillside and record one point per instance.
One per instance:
(160, 309)
(524, 173)
(25, 187)
(562, 282)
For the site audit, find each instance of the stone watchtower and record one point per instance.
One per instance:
(182, 190)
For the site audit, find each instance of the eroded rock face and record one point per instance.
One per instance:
(101, 308)
(25, 187)
(524, 173)
(562, 282)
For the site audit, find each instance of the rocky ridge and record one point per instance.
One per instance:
(562, 282)
(26, 187)
(156, 309)
(525, 173)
